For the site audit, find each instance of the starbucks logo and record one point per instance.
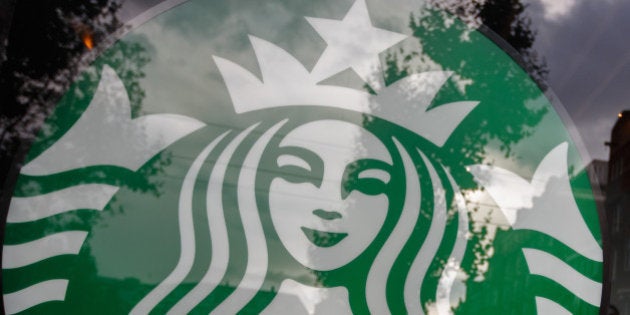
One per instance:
(310, 196)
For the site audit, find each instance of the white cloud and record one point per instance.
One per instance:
(555, 9)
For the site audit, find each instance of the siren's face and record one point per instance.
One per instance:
(330, 201)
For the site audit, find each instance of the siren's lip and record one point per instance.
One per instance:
(327, 215)
(323, 239)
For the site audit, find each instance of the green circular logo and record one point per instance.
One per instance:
(282, 158)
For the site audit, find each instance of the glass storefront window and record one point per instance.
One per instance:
(427, 157)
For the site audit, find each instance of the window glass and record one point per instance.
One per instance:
(314, 157)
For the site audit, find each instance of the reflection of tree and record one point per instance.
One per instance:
(46, 77)
(483, 73)
(42, 66)
(45, 49)
(479, 74)
(505, 18)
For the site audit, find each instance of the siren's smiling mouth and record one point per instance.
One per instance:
(323, 239)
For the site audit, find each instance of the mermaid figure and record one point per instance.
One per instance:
(329, 214)
(331, 200)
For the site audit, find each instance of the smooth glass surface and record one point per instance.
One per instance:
(308, 157)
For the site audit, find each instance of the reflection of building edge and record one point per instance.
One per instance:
(617, 203)
(597, 172)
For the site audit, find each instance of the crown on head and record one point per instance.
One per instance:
(286, 82)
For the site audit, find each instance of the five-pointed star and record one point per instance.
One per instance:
(352, 42)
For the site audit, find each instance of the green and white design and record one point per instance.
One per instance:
(444, 182)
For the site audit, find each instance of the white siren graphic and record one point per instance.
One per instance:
(355, 43)
(539, 205)
(106, 135)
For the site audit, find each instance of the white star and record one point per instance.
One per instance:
(352, 42)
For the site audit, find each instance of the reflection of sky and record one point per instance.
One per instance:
(556, 9)
(182, 69)
(188, 38)
(583, 42)
(586, 50)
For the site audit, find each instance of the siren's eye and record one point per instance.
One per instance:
(299, 165)
(368, 176)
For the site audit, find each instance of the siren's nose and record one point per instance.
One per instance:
(327, 215)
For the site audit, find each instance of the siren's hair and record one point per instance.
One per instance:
(410, 250)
